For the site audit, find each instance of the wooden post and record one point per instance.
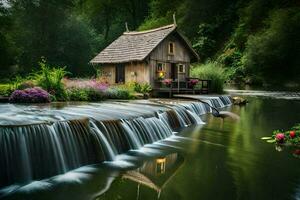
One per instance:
(174, 19)
(126, 26)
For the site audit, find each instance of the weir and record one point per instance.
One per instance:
(35, 145)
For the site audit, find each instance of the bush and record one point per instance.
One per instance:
(119, 92)
(273, 53)
(143, 88)
(50, 79)
(212, 71)
(26, 84)
(30, 95)
(85, 94)
(6, 89)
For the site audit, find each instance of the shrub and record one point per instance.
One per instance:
(50, 79)
(30, 95)
(143, 88)
(77, 94)
(85, 94)
(26, 84)
(212, 71)
(6, 89)
(119, 92)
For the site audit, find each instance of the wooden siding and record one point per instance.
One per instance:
(161, 54)
(135, 71)
(138, 72)
(108, 73)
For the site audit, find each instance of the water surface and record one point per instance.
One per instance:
(218, 160)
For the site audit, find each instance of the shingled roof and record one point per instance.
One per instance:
(135, 46)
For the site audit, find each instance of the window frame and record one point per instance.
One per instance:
(163, 67)
(173, 48)
(183, 68)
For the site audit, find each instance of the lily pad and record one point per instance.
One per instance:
(271, 141)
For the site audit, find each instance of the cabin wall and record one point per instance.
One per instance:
(161, 54)
(108, 73)
(137, 72)
(181, 53)
(134, 72)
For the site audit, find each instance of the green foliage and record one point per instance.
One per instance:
(288, 137)
(50, 79)
(273, 53)
(212, 71)
(119, 92)
(204, 44)
(143, 88)
(6, 89)
(78, 94)
(255, 40)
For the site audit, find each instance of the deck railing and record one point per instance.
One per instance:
(184, 86)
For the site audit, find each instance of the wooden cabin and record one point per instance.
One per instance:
(147, 56)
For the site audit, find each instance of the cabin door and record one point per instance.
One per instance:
(174, 73)
(120, 73)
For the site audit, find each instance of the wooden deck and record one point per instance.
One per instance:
(183, 87)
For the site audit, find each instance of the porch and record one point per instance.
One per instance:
(183, 86)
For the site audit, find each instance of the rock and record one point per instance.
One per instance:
(239, 101)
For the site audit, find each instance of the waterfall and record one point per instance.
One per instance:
(37, 151)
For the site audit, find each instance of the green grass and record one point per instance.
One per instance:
(212, 71)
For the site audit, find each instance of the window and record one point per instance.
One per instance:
(160, 67)
(181, 68)
(171, 48)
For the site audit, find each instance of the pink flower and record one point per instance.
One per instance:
(167, 81)
(279, 137)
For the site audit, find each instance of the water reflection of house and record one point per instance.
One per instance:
(156, 174)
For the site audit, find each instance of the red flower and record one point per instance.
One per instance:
(297, 152)
(292, 134)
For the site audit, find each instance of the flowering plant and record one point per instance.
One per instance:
(289, 137)
(85, 84)
(167, 82)
(193, 82)
(30, 95)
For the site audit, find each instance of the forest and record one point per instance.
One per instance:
(253, 41)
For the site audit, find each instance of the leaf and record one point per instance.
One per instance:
(266, 138)
(271, 141)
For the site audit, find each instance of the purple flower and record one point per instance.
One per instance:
(30, 95)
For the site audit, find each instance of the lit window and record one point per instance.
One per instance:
(160, 67)
(181, 68)
(171, 48)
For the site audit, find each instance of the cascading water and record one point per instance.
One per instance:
(37, 151)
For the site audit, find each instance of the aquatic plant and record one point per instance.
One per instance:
(279, 137)
(30, 95)
(289, 137)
